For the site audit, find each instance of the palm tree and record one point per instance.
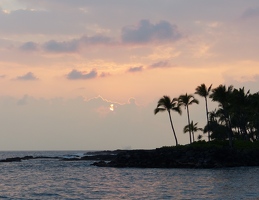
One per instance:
(222, 95)
(193, 128)
(187, 100)
(166, 104)
(254, 116)
(240, 102)
(203, 91)
(216, 128)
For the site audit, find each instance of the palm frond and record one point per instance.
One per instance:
(209, 89)
(177, 109)
(157, 110)
(194, 101)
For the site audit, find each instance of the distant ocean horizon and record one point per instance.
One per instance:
(55, 179)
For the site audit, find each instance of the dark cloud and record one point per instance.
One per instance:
(160, 64)
(58, 47)
(29, 46)
(27, 77)
(135, 69)
(77, 75)
(147, 32)
(250, 13)
(75, 44)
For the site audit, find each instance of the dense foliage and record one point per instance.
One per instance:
(236, 117)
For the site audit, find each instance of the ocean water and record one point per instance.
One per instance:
(54, 179)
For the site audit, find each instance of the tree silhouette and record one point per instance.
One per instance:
(193, 128)
(187, 100)
(254, 116)
(235, 118)
(240, 111)
(166, 104)
(218, 131)
(203, 91)
(221, 94)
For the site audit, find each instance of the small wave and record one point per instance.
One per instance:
(74, 155)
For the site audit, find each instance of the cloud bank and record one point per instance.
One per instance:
(85, 124)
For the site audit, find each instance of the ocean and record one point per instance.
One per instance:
(55, 179)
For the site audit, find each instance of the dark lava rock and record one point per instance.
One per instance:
(100, 164)
(27, 158)
(184, 157)
(15, 159)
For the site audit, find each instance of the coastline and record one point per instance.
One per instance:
(197, 155)
(188, 156)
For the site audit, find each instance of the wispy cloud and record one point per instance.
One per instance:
(105, 74)
(135, 69)
(160, 64)
(81, 75)
(143, 33)
(74, 45)
(29, 46)
(27, 77)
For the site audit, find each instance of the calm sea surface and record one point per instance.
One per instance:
(54, 179)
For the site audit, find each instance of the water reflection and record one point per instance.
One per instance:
(53, 179)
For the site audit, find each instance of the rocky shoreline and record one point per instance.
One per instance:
(187, 156)
(184, 157)
(96, 157)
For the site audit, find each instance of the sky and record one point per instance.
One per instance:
(87, 75)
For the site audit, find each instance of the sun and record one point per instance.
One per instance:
(111, 107)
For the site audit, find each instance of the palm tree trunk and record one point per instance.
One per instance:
(188, 115)
(229, 127)
(176, 141)
(207, 113)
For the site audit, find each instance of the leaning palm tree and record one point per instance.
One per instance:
(193, 128)
(187, 100)
(203, 91)
(166, 104)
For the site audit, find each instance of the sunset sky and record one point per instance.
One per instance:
(87, 75)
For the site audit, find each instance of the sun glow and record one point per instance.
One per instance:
(111, 107)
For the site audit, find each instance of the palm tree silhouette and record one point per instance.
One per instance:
(222, 95)
(166, 104)
(187, 100)
(203, 91)
(240, 102)
(216, 128)
(193, 128)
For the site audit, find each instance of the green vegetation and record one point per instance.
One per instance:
(235, 122)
